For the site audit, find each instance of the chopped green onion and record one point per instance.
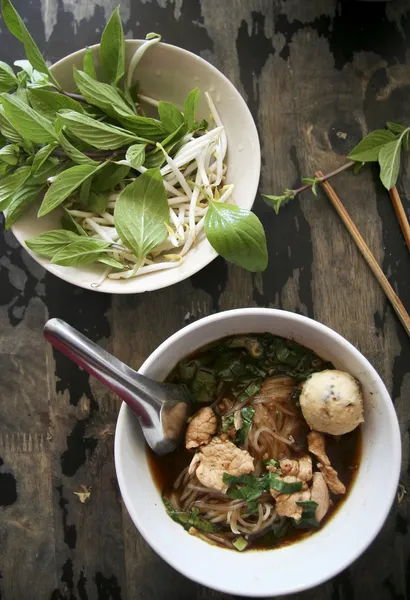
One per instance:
(240, 543)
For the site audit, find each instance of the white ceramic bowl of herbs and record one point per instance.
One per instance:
(127, 215)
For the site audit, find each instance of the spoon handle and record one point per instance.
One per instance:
(139, 392)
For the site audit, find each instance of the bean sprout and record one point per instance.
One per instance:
(152, 38)
(192, 177)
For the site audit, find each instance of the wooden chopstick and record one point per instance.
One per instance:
(367, 254)
(401, 215)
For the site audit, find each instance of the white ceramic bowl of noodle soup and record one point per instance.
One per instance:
(166, 73)
(318, 557)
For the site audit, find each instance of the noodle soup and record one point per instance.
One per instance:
(255, 471)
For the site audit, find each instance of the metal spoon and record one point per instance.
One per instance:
(162, 408)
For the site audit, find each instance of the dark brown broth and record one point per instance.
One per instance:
(344, 453)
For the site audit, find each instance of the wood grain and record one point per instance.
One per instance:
(317, 76)
(365, 251)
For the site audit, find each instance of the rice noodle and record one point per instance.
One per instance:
(218, 539)
(271, 432)
(227, 507)
(180, 478)
(200, 488)
(271, 435)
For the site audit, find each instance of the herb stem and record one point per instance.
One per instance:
(344, 167)
(77, 97)
(97, 155)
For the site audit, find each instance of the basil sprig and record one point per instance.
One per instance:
(382, 146)
(79, 147)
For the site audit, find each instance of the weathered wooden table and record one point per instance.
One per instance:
(317, 75)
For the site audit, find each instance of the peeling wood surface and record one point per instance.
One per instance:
(317, 75)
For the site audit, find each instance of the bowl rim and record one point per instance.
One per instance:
(360, 544)
(254, 176)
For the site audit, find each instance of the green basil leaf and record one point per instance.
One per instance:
(4, 169)
(82, 252)
(8, 80)
(405, 140)
(190, 105)
(112, 48)
(16, 26)
(126, 96)
(70, 224)
(41, 156)
(109, 177)
(247, 413)
(29, 77)
(27, 122)
(95, 133)
(313, 181)
(136, 155)
(28, 147)
(148, 128)
(132, 93)
(237, 235)
(202, 126)
(170, 116)
(50, 242)
(246, 487)
(88, 63)
(21, 200)
(64, 185)
(229, 367)
(111, 262)
(100, 94)
(84, 192)
(10, 154)
(357, 167)
(49, 103)
(155, 158)
(389, 160)
(7, 129)
(276, 201)
(20, 94)
(72, 152)
(368, 149)
(97, 202)
(395, 127)
(11, 184)
(50, 168)
(140, 214)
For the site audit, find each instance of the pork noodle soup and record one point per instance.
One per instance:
(271, 449)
